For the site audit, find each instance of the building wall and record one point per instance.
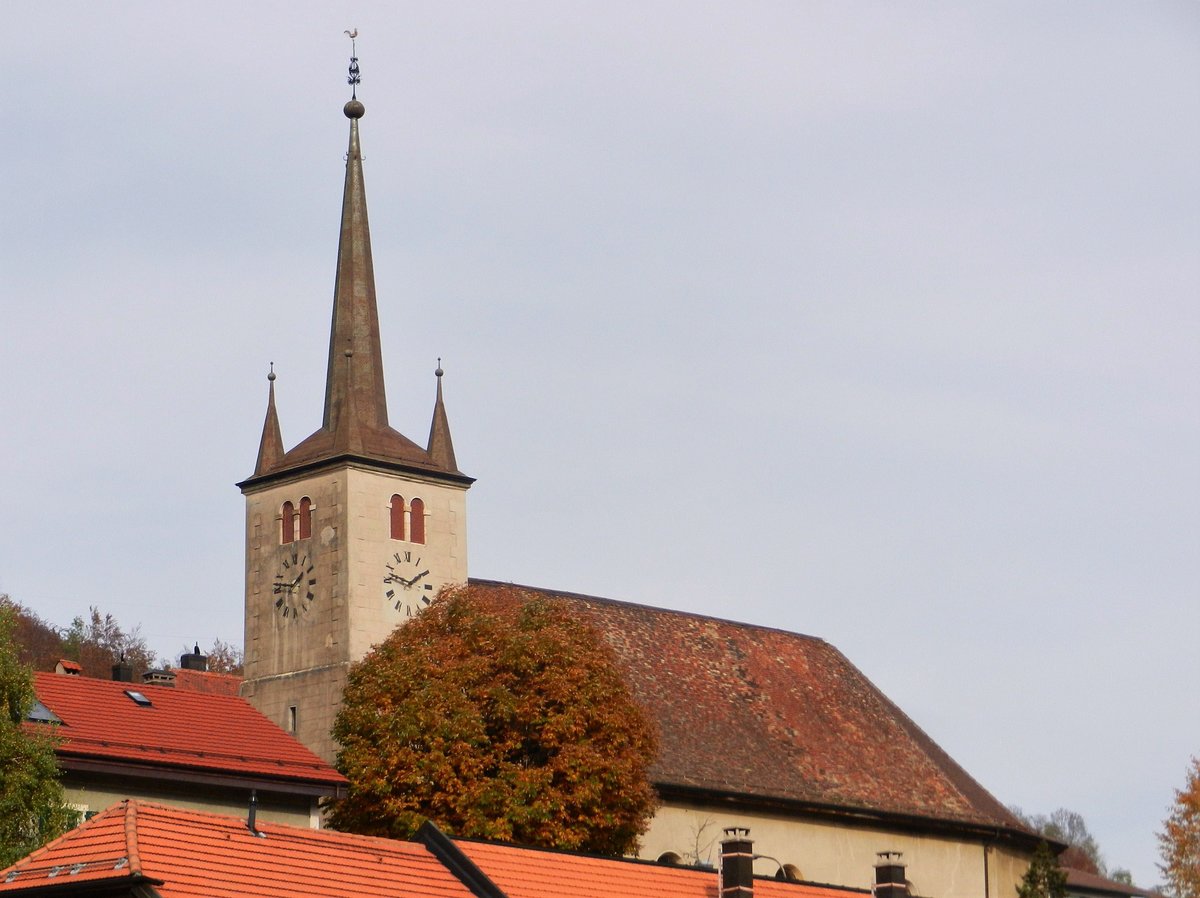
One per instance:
(298, 653)
(93, 793)
(842, 854)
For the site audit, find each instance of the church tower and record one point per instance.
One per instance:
(354, 530)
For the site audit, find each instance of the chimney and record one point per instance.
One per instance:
(194, 661)
(737, 864)
(122, 671)
(889, 876)
(159, 678)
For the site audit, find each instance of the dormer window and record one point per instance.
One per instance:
(39, 713)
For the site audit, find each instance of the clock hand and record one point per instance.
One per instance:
(416, 578)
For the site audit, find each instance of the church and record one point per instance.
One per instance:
(355, 529)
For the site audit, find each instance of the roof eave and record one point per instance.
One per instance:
(852, 816)
(262, 481)
(286, 785)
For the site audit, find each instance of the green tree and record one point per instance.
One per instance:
(32, 806)
(1083, 852)
(1179, 841)
(497, 716)
(1044, 878)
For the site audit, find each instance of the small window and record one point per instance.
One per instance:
(39, 713)
(138, 698)
(670, 857)
(305, 518)
(288, 534)
(417, 521)
(397, 517)
(291, 719)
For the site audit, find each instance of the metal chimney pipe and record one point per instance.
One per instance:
(737, 864)
(890, 881)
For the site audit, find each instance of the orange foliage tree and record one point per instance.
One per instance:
(1179, 842)
(497, 715)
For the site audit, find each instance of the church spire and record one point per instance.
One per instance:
(270, 447)
(355, 421)
(441, 447)
(355, 330)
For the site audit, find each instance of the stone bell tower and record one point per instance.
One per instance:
(354, 530)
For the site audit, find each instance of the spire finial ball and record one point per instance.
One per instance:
(439, 372)
(354, 109)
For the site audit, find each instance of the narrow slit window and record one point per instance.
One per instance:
(288, 533)
(417, 524)
(291, 719)
(397, 517)
(305, 518)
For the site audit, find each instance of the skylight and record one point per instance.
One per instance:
(138, 698)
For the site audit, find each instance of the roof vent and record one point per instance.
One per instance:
(159, 678)
(737, 864)
(68, 667)
(889, 876)
(194, 660)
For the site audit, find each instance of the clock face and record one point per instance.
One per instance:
(406, 585)
(295, 585)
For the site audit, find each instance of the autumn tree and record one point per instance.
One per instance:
(497, 715)
(99, 642)
(1179, 841)
(32, 806)
(1044, 878)
(222, 657)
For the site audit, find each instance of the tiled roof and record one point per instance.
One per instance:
(530, 873)
(1080, 881)
(191, 854)
(206, 681)
(179, 729)
(770, 715)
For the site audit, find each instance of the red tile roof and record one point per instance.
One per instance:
(205, 681)
(192, 854)
(766, 714)
(178, 730)
(1081, 881)
(530, 873)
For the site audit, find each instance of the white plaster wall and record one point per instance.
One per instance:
(937, 866)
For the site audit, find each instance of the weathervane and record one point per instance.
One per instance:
(353, 80)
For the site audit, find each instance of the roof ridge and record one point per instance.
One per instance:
(565, 594)
(131, 842)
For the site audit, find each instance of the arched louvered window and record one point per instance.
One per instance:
(417, 525)
(305, 518)
(288, 534)
(397, 517)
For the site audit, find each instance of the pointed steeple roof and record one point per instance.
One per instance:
(441, 447)
(270, 447)
(355, 421)
(355, 331)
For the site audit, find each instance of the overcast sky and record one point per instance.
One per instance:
(876, 322)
